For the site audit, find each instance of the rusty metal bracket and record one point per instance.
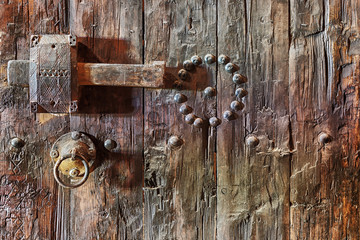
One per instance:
(53, 74)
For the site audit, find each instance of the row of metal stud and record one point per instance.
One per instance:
(235, 105)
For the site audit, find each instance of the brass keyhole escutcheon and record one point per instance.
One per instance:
(74, 154)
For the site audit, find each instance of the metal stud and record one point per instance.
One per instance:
(209, 58)
(214, 122)
(324, 138)
(196, 60)
(252, 141)
(188, 65)
(185, 109)
(54, 153)
(239, 79)
(210, 92)
(190, 118)
(222, 59)
(175, 142)
(17, 142)
(178, 84)
(240, 92)
(74, 172)
(236, 105)
(230, 68)
(75, 135)
(183, 74)
(198, 123)
(228, 115)
(110, 144)
(180, 98)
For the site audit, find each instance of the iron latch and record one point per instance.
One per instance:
(53, 74)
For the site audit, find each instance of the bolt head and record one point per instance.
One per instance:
(190, 118)
(17, 142)
(324, 138)
(175, 142)
(196, 60)
(188, 65)
(240, 92)
(74, 172)
(54, 153)
(230, 67)
(252, 141)
(178, 84)
(110, 144)
(75, 135)
(198, 123)
(180, 98)
(236, 105)
(183, 74)
(210, 92)
(239, 79)
(228, 115)
(209, 58)
(185, 109)
(222, 59)
(214, 122)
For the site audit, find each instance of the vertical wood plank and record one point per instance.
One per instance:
(324, 64)
(110, 204)
(180, 190)
(253, 181)
(28, 192)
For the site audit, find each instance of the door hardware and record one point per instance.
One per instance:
(53, 74)
(74, 155)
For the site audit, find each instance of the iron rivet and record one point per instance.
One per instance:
(239, 79)
(74, 172)
(240, 92)
(91, 152)
(210, 92)
(214, 122)
(175, 142)
(185, 109)
(230, 68)
(17, 142)
(209, 58)
(223, 59)
(236, 105)
(198, 123)
(190, 118)
(75, 135)
(178, 85)
(188, 65)
(228, 115)
(196, 60)
(54, 154)
(183, 74)
(324, 138)
(252, 141)
(110, 144)
(180, 98)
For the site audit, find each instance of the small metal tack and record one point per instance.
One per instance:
(209, 59)
(228, 115)
(230, 68)
(240, 92)
(185, 109)
(196, 60)
(188, 65)
(17, 142)
(180, 98)
(236, 105)
(252, 141)
(190, 118)
(222, 59)
(210, 92)
(214, 121)
(239, 79)
(324, 138)
(183, 74)
(110, 144)
(198, 123)
(175, 142)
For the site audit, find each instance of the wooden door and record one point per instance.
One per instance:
(287, 166)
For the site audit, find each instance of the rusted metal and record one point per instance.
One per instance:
(110, 144)
(239, 79)
(190, 118)
(210, 92)
(73, 152)
(252, 141)
(240, 92)
(188, 65)
(209, 59)
(231, 67)
(196, 60)
(198, 123)
(185, 109)
(228, 115)
(214, 121)
(183, 74)
(223, 59)
(236, 105)
(175, 142)
(180, 98)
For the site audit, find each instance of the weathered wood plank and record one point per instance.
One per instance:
(324, 100)
(110, 204)
(253, 180)
(125, 75)
(179, 192)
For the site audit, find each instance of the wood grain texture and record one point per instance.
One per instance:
(180, 190)
(124, 75)
(253, 182)
(324, 99)
(109, 205)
